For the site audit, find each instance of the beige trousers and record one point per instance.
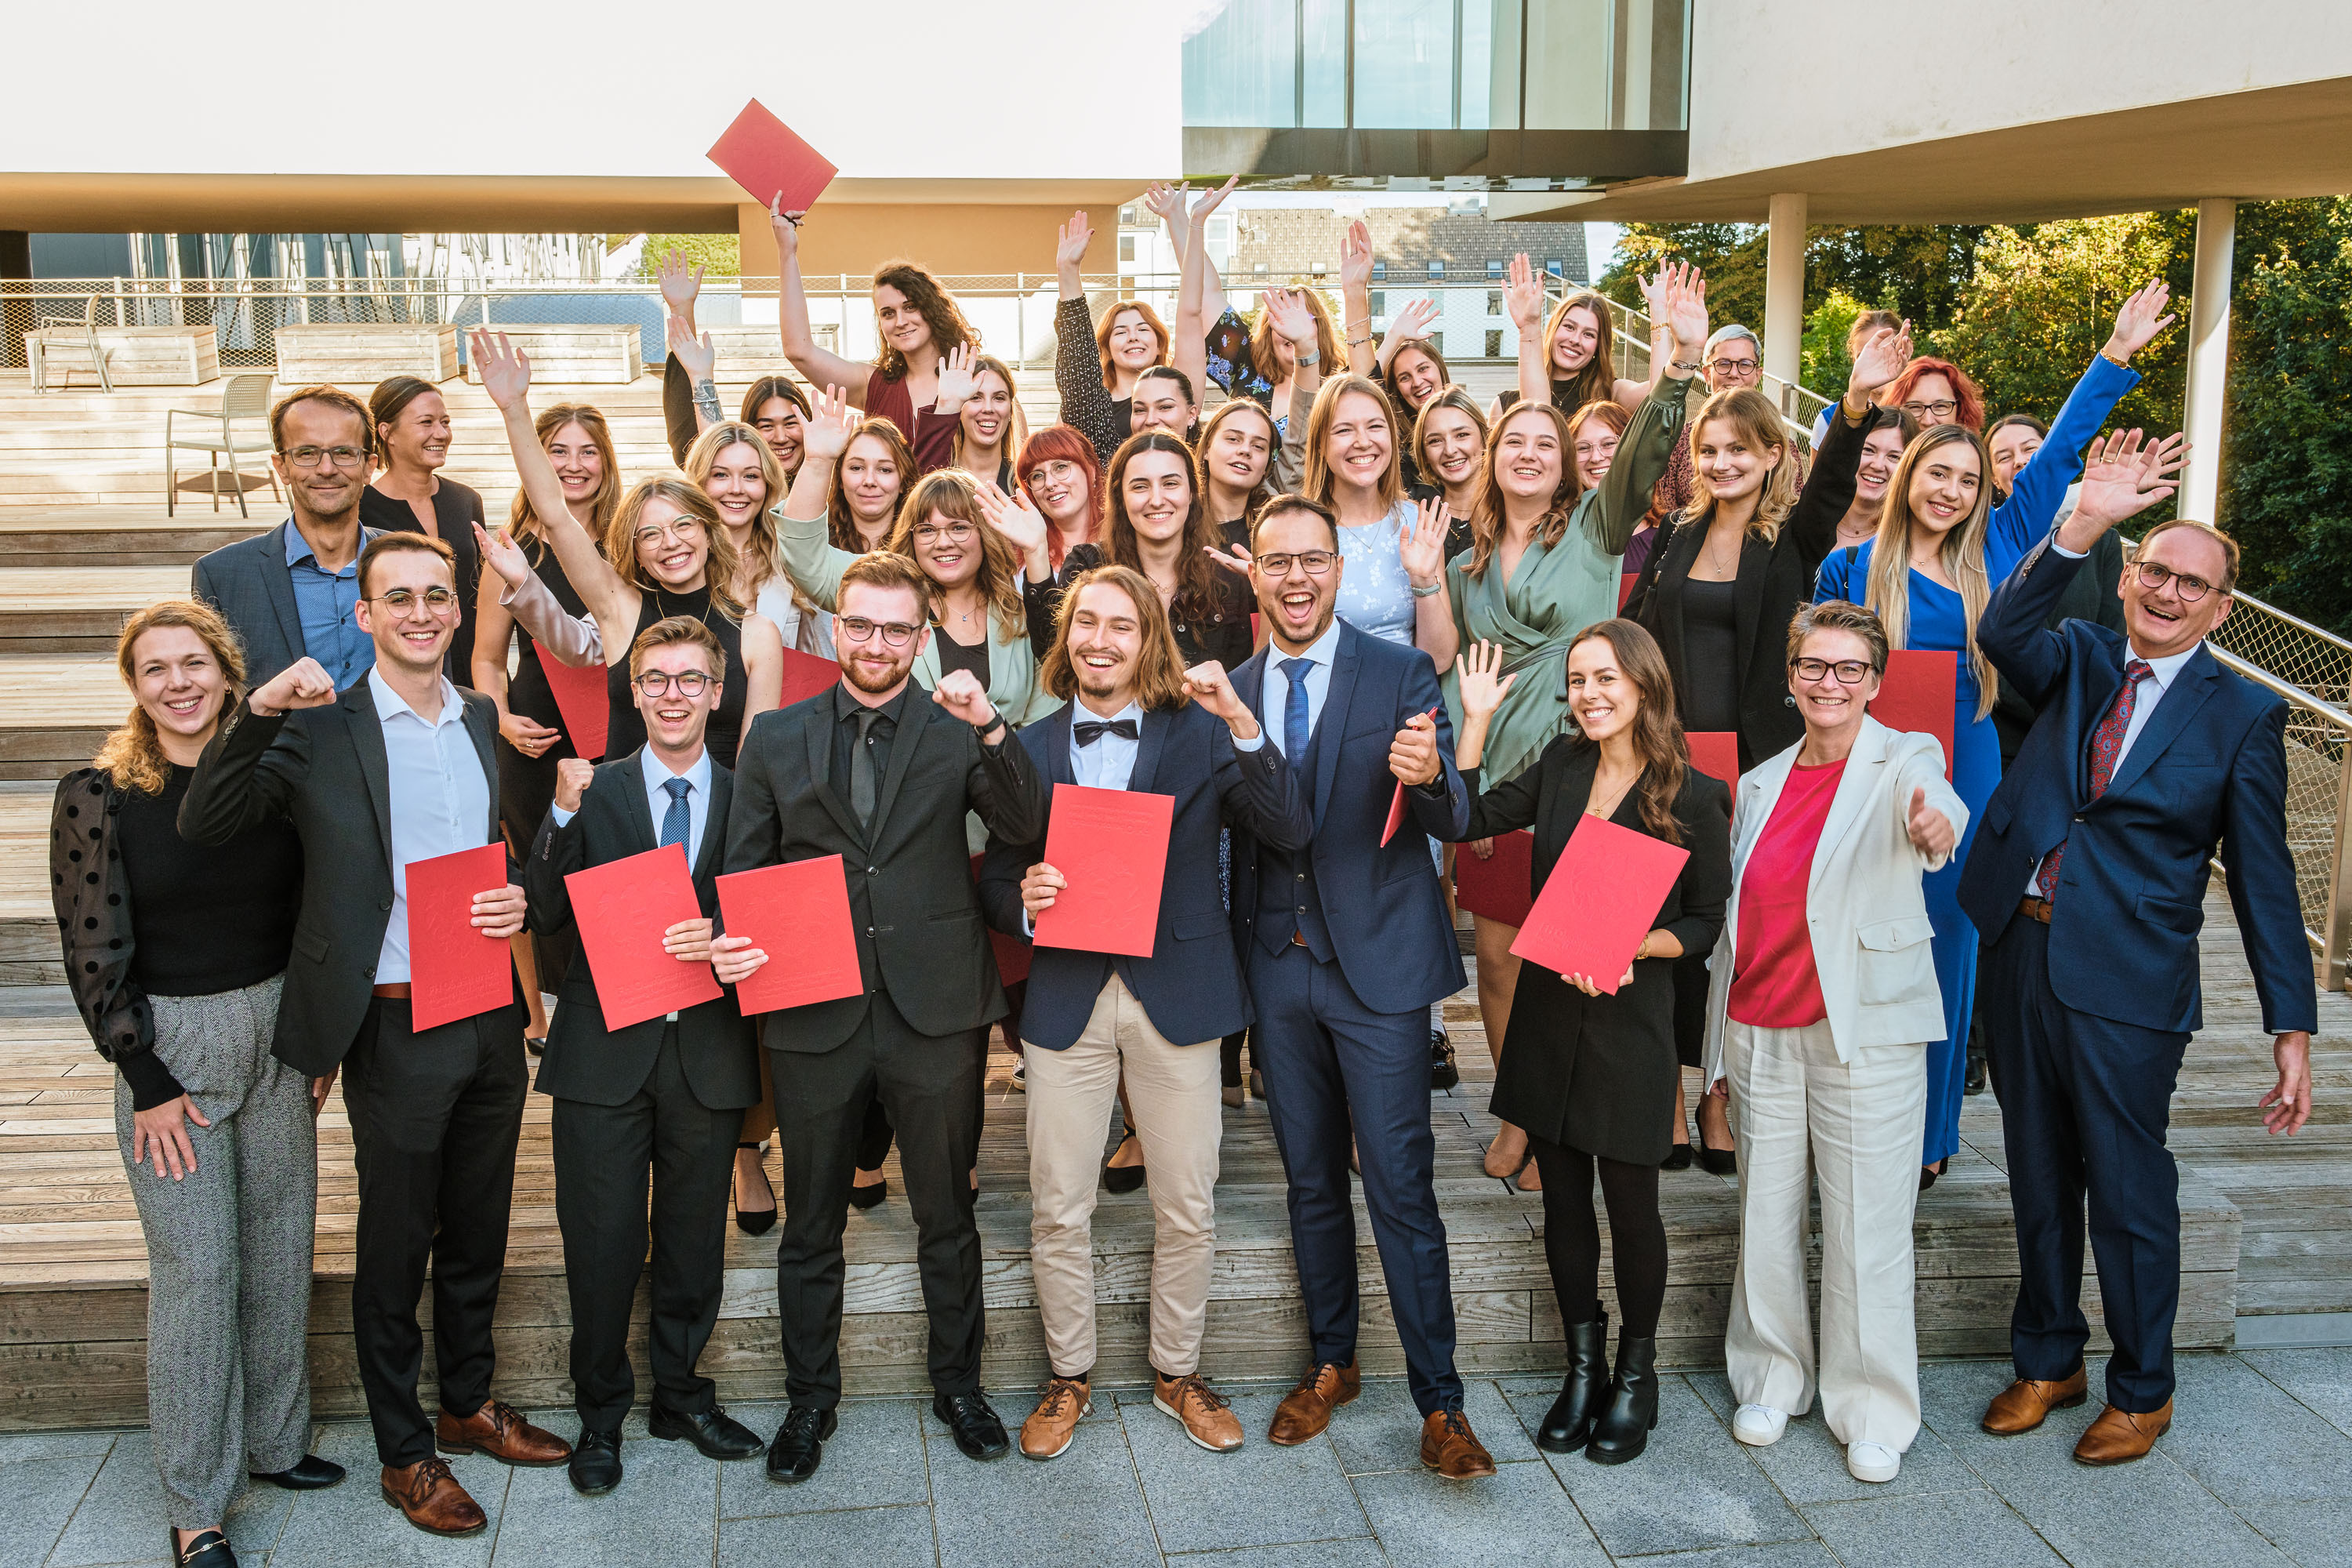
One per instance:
(1179, 1117)
(1801, 1115)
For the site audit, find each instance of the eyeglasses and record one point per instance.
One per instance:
(1733, 366)
(1313, 562)
(1932, 413)
(310, 456)
(2154, 574)
(857, 629)
(955, 533)
(1054, 473)
(684, 530)
(1844, 671)
(400, 601)
(687, 683)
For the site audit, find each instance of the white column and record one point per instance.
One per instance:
(1784, 288)
(2209, 359)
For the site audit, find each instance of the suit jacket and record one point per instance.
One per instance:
(1192, 984)
(248, 584)
(584, 1061)
(1870, 936)
(2090, 596)
(912, 901)
(1381, 902)
(323, 769)
(2210, 764)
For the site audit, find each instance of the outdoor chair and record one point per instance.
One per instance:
(42, 350)
(245, 397)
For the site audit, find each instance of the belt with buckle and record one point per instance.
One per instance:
(395, 992)
(2034, 909)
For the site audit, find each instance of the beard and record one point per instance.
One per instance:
(855, 673)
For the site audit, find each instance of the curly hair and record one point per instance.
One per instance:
(132, 756)
(934, 304)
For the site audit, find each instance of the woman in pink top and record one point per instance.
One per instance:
(1822, 1001)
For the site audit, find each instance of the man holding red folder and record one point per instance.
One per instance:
(664, 1096)
(1136, 721)
(397, 769)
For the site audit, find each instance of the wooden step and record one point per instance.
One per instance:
(77, 609)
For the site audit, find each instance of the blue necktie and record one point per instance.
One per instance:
(1295, 731)
(677, 821)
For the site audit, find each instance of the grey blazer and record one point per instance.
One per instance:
(247, 583)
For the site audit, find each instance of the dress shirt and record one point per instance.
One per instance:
(884, 730)
(440, 800)
(328, 602)
(656, 779)
(1109, 762)
(1320, 654)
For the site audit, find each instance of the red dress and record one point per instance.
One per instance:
(1773, 983)
(932, 438)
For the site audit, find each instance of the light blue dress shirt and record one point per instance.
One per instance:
(1321, 654)
(440, 800)
(657, 776)
(328, 602)
(1109, 762)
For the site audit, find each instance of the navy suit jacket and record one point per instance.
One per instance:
(1191, 985)
(2210, 764)
(248, 584)
(1383, 904)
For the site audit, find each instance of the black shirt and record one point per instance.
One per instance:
(1221, 631)
(456, 510)
(1711, 655)
(884, 730)
(955, 656)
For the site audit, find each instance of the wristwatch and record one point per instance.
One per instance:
(1310, 356)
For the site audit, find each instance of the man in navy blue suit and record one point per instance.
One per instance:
(2087, 882)
(1138, 720)
(1347, 943)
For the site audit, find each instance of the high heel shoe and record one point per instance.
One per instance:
(1623, 1428)
(1678, 1158)
(755, 1222)
(865, 1197)
(1122, 1178)
(1569, 1424)
(1713, 1161)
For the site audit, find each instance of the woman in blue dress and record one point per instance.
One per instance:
(1940, 548)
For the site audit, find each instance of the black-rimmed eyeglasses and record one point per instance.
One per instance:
(687, 683)
(2154, 574)
(1844, 671)
(857, 629)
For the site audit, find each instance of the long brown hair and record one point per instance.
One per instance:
(1427, 350)
(1267, 360)
(1962, 551)
(1657, 728)
(1159, 667)
(132, 757)
(523, 524)
(1231, 409)
(718, 545)
(1318, 479)
(1196, 574)
(934, 304)
(839, 524)
(1755, 421)
(1102, 335)
(1486, 520)
(952, 494)
(1598, 379)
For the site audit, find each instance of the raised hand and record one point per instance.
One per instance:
(1166, 202)
(1013, 516)
(1686, 302)
(572, 777)
(498, 913)
(1210, 202)
(1479, 679)
(694, 355)
(1654, 292)
(2140, 318)
(1412, 322)
(1040, 885)
(1881, 359)
(1209, 685)
(956, 379)
(733, 959)
(1523, 296)
(1355, 256)
(1233, 558)
(1413, 756)
(786, 226)
(506, 557)
(1420, 545)
(1931, 831)
(2160, 463)
(2120, 480)
(1070, 242)
(830, 422)
(1293, 321)
(503, 369)
(960, 693)
(304, 683)
(679, 285)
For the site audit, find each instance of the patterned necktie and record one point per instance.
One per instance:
(2106, 745)
(1295, 731)
(677, 821)
(861, 770)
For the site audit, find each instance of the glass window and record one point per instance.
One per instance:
(1493, 301)
(1322, 57)
(1379, 302)
(1404, 64)
(1556, 267)
(1494, 345)
(1240, 64)
(1380, 269)
(1127, 247)
(1568, 65)
(1437, 269)
(1494, 267)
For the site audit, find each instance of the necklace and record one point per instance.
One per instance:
(1714, 560)
(702, 615)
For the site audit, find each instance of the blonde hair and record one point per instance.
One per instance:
(1016, 427)
(1461, 402)
(718, 545)
(523, 524)
(951, 493)
(703, 456)
(1318, 480)
(1755, 421)
(1962, 553)
(132, 757)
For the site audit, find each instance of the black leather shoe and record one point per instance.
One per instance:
(595, 1463)
(1678, 1158)
(310, 1473)
(207, 1549)
(716, 1433)
(799, 1443)
(974, 1426)
(1569, 1424)
(1974, 1084)
(1622, 1430)
(1443, 1072)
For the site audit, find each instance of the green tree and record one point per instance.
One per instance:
(1823, 360)
(718, 254)
(1922, 272)
(1731, 255)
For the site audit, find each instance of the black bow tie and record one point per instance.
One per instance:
(1090, 731)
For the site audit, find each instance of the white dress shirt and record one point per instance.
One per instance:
(657, 776)
(440, 800)
(1109, 762)
(1321, 652)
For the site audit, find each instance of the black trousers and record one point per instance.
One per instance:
(602, 1156)
(930, 1088)
(435, 1119)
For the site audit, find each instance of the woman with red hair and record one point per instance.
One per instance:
(1058, 469)
(1936, 392)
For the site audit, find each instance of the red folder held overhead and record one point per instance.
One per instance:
(1599, 901)
(454, 971)
(582, 698)
(622, 909)
(1920, 694)
(1497, 887)
(806, 675)
(1112, 848)
(1715, 753)
(798, 914)
(760, 152)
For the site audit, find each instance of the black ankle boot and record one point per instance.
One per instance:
(1622, 1430)
(1583, 1392)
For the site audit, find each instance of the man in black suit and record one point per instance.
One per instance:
(876, 772)
(294, 591)
(397, 769)
(666, 1094)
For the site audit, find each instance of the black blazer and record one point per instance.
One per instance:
(1598, 1073)
(716, 1044)
(247, 583)
(1774, 581)
(1192, 986)
(913, 901)
(324, 770)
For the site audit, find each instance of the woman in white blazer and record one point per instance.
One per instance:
(1822, 999)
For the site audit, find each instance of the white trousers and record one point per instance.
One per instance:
(1799, 1114)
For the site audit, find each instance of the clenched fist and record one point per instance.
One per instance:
(961, 694)
(571, 778)
(301, 684)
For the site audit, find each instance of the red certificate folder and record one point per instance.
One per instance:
(1396, 807)
(1112, 848)
(806, 675)
(455, 970)
(1715, 753)
(622, 909)
(1919, 693)
(1497, 889)
(798, 914)
(760, 152)
(1011, 952)
(581, 697)
(1599, 901)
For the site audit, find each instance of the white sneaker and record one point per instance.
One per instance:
(1872, 1462)
(1759, 1425)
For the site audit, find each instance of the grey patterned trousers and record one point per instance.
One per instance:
(229, 1256)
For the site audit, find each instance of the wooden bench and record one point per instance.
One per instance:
(564, 356)
(135, 356)
(365, 352)
(745, 354)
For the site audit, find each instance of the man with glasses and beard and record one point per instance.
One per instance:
(881, 773)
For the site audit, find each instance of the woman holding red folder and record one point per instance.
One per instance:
(1591, 1074)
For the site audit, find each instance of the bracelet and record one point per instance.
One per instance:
(1310, 357)
(994, 724)
(1421, 593)
(1365, 338)
(1682, 365)
(2113, 359)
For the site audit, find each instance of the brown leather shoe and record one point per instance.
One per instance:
(1207, 1419)
(1054, 1422)
(2118, 1437)
(1448, 1446)
(1305, 1410)
(2027, 1402)
(431, 1498)
(498, 1430)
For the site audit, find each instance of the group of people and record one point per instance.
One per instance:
(1348, 601)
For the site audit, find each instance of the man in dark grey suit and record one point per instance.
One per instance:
(293, 592)
(398, 768)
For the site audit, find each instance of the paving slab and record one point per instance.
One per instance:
(1259, 1496)
(873, 1457)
